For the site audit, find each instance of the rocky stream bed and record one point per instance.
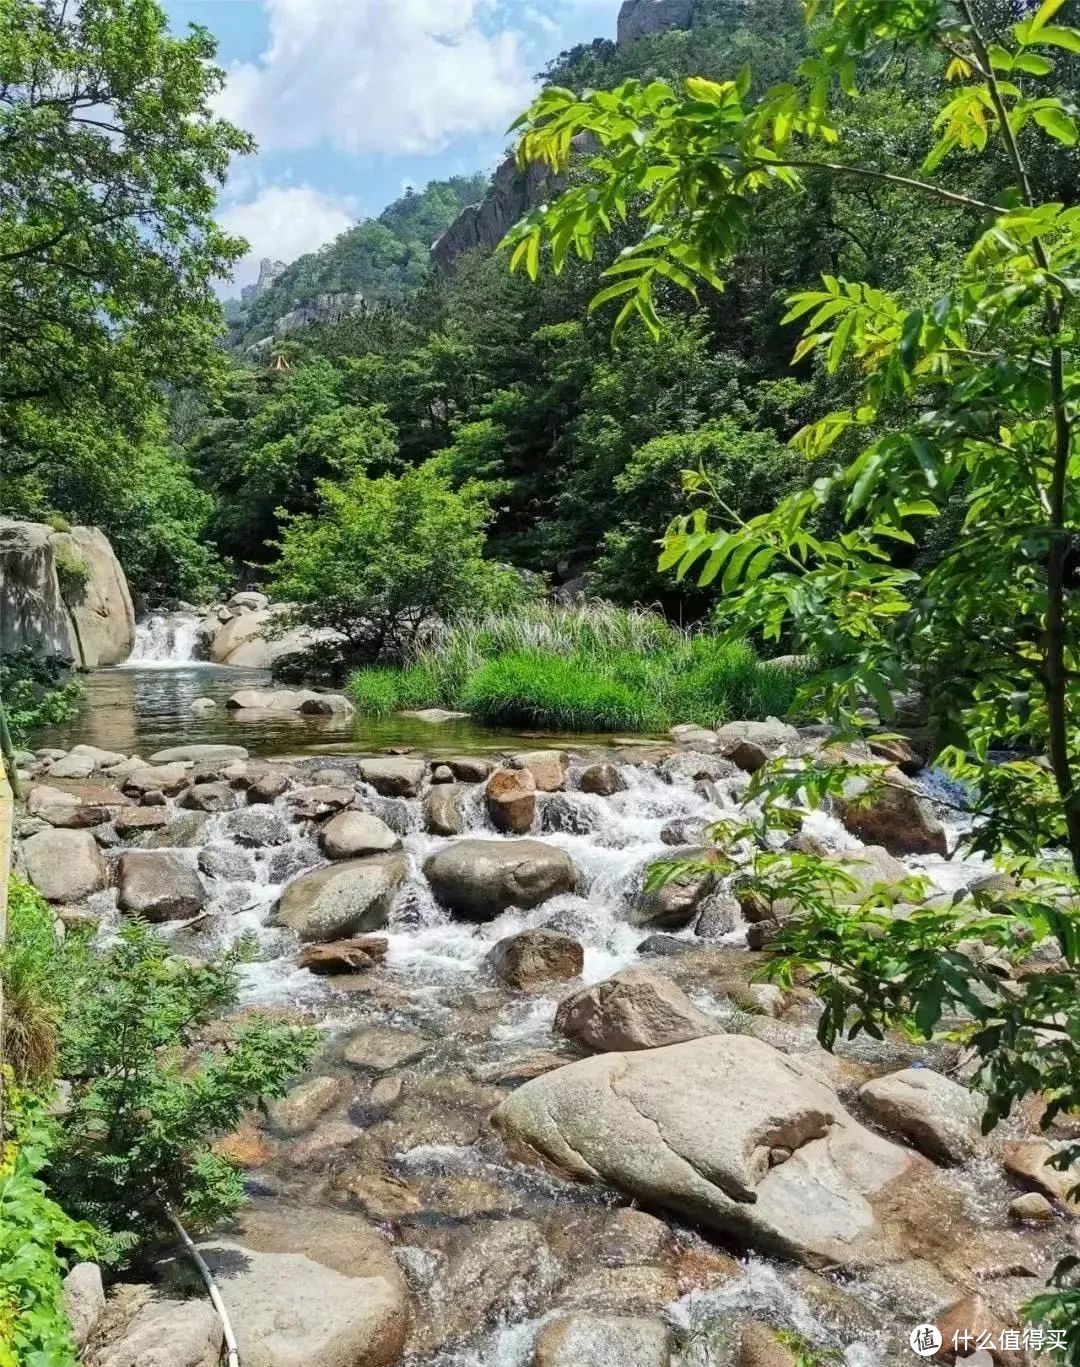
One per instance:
(554, 1120)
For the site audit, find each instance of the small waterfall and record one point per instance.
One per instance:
(165, 640)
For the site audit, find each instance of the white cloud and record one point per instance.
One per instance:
(387, 76)
(283, 222)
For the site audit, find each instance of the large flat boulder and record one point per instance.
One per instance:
(725, 1131)
(343, 899)
(479, 879)
(196, 754)
(64, 865)
(287, 1309)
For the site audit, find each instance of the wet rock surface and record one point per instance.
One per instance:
(394, 1222)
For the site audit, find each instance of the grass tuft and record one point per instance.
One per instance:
(580, 667)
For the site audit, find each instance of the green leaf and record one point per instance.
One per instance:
(1000, 58)
(1067, 38)
(620, 287)
(1033, 63)
(1058, 124)
(1044, 14)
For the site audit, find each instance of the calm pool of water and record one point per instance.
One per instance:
(140, 710)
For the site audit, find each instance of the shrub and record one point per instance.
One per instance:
(376, 692)
(385, 557)
(72, 573)
(36, 691)
(147, 1100)
(35, 1234)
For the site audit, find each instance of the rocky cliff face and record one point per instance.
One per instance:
(268, 273)
(640, 18)
(64, 593)
(514, 192)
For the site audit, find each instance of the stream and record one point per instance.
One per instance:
(493, 1246)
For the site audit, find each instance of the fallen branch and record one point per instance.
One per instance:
(233, 1359)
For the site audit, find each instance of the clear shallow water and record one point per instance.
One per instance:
(146, 706)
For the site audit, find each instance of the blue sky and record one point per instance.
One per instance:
(353, 100)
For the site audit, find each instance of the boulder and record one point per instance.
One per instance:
(479, 879)
(434, 716)
(759, 1346)
(1028, 1160)
(202, 705)
(64, 865)
(581, 1339)
(395, 776)
(469, 768)
(209, 797)
(287, 1309)
(719, 916)
(166, 1333)
(321, 800)
(103, 759)
(634, 1009)
(548, 768)
(68, 810)
(344, 956)
(268, 699)
(511, 800)
(534, 958)
(751, 744)
(159, 885)
(352, 834)
(297, 1111)
(675, 904)
(442, 810)
(1031, 1208)
(72, 766)
(196, 754)
(327, 705)
(268, 786)
(133, 821)
(84, 1300)
(227, 862)
(788, 1171)
(160, 778)
(602, 779)
(63, 593)
(248, 600)
(567, 812)
(382, 1049)
(938, 1116)
(343, 899)
(257, 826)
(896, 816)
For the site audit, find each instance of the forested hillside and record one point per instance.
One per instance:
(382, 258)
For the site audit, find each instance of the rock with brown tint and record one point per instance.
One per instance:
(344, 956)
(511, 800)
(534, 958)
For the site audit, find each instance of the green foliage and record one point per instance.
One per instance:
(109, 157)
(580, 667)
(35, 1238)
(533, 689)
(268, 440)
(72, 573)
(36, 691)
(147, 1099)
(32, 988)
(384, 557)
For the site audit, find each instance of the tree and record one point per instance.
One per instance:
(109, 157)
(384, 557)
(968, 402)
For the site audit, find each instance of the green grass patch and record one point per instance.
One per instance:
(586, 667)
